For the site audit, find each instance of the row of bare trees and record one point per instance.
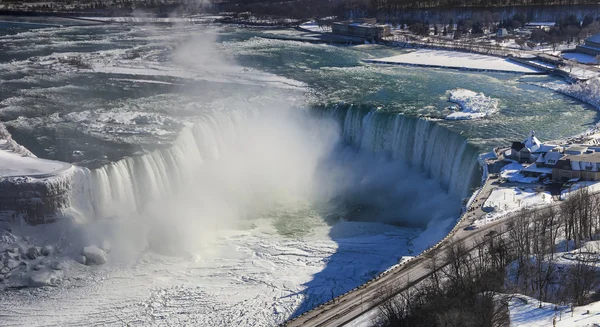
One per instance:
(469, 286)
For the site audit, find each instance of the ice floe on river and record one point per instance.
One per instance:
(473, 105)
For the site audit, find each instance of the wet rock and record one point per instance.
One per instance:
(38, 267)
(4, 271)
(94, 255)
(81, 259)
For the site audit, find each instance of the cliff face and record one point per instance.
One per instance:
(31, 189)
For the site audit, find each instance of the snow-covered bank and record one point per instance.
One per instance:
(31, 189)
(456, 60)
(588, 91)
(474, 105)
(18, 161)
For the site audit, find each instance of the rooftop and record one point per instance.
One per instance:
(588, 157)
(594, 38)
(579, 148)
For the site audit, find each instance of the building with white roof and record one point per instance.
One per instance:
(529, 150)
(591, 46)
(585, 167)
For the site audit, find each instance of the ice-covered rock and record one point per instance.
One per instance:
(12, 264)
(60, 265)
(34, 252)
(94, 255)
(42, 278)
(474, 105)
(81, 259)
(47, 250)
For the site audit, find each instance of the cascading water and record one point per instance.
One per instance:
(443, 155)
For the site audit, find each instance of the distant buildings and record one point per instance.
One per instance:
(562, 163)
(585, 167)
(591, 46)
(529, 150)
(366, 29)
(502, 32)
(545, 26)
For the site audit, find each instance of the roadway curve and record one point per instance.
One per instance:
(353, 304)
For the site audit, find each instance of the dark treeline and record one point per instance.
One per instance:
(436, 10)
(469, 287)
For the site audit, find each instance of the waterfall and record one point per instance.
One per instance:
(443, 155)
(128, 185)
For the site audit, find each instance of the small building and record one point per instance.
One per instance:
(545, 26)
(585, 167)
(529, 150)
(591, 46)
(544, 164)
(502, 32)
(520, 153)
(367, 30)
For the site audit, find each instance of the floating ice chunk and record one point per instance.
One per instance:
(474, 105)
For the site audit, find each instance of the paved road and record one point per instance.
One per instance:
(367, 296)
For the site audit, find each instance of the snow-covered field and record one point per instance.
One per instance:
(592, 187)
(251, 277)
(474, 105)
(525, 312)
(505, 200)
(455, 59)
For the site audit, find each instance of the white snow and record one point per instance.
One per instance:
(505, 200)
(249, 277)
(17, 161)
(94, 255)
(454, 59)
(593, 187)
(474, 105)
(13, 165)
(580, 57)
(588, 91)
(525, 312)
(512, 173)
(311, 26)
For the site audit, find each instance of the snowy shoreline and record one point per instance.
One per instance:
(455, 60)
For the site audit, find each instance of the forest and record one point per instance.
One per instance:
(550, 254)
